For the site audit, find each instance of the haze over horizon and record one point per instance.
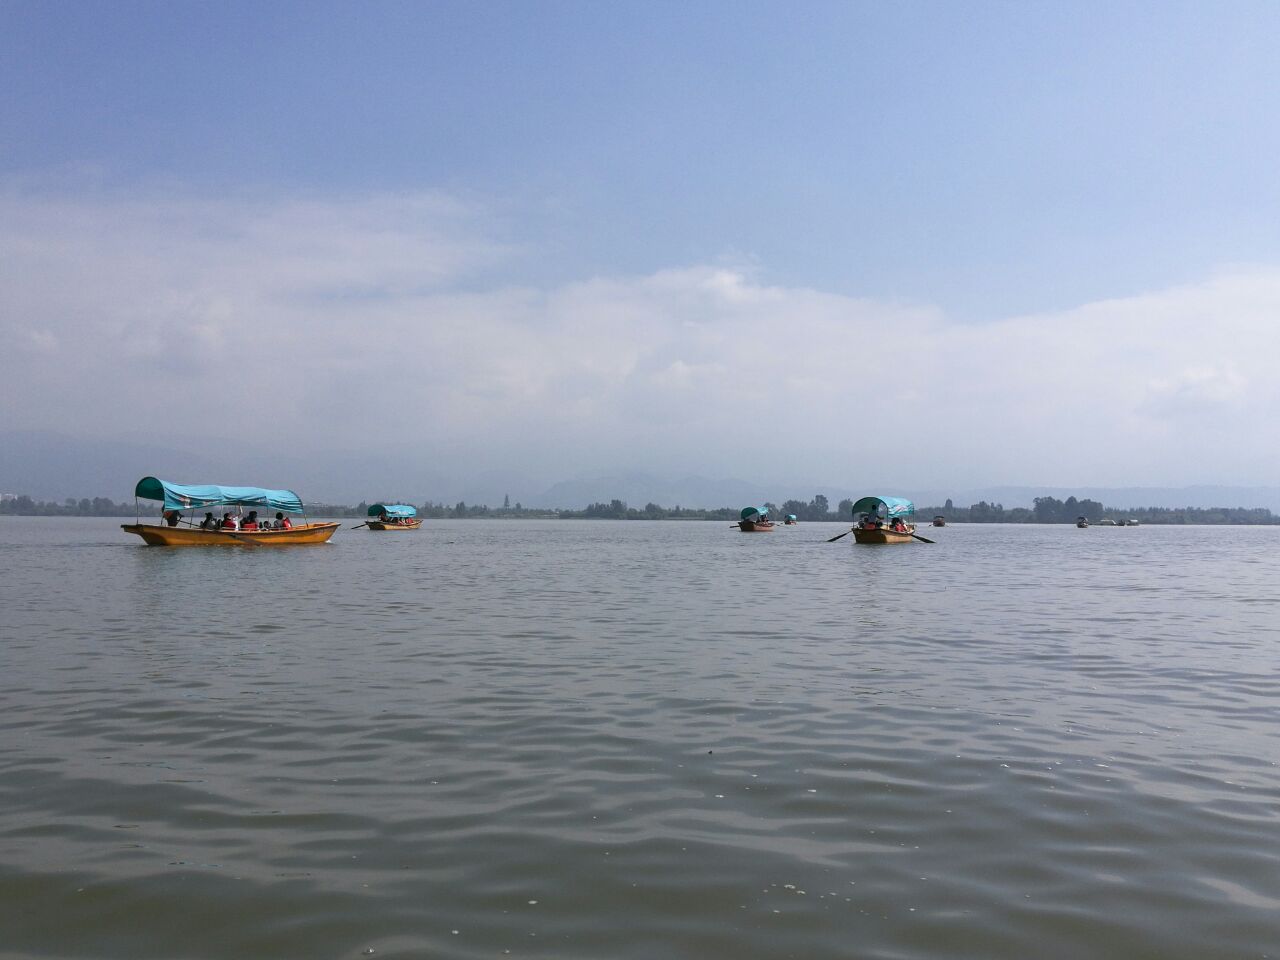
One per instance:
(916, 248)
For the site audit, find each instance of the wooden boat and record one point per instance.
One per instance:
(882, 535)
(939, 521)
(159, 535)
(413, 524)
(393, 516)
(874, 518)
(178, 498)
(755, 520)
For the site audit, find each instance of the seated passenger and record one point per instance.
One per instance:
(209, 522)
(228, 522)
(171, 517)
(251, 521)
(282, 522)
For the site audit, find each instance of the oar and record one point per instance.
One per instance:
(359, 525)
(835, 538)
(922, 539)
(236, 536)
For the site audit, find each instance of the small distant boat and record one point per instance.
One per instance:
(1108, 522)
(1082, 522)
(1128, 522)
(171, 531)
(755, 520)
(393, 516)
(790, 520)
(884, 520)
(939, 521)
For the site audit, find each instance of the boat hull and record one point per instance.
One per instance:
(880, 536)
(755, 526)
(160, 536)
(379, 525)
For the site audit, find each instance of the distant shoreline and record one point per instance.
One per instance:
(1046, 510)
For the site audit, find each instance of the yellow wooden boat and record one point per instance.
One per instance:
(176, 529)
(161, 535)
(875, 517)
(392, 525)
(393, 516)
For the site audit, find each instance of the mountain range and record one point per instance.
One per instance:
(49, 466)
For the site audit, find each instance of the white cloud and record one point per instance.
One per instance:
(327, 321)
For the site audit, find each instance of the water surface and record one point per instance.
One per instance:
(636, 740)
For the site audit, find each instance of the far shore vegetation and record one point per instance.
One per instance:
(1045, 510)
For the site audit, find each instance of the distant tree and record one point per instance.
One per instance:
(506, 501)
(845, 509)
(818, 507)
(461, 509)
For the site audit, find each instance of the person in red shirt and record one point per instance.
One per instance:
(282, 522)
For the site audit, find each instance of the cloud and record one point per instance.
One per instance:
(331, 322)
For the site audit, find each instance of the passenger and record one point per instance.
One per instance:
(172, 517)
(228, 522)
(209, 522)
(251, 521)
(899, 526)
(282, 522)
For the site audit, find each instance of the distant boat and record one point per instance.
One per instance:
(790, 520)
(393, 516)
(755, 520)
(884, 520)
(939, 521)
(171, 531)
(1082, 522)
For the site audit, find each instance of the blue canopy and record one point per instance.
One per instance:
(181, 496)
(893, 507)
(749, 512)
(791, 516)
(393, 510)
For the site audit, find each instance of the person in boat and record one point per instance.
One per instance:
(869, 521)
(229, 522)
(251, 521)
(210, 522)
(171, 517)
(899, 525)
(282, 522)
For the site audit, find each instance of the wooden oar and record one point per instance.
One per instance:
(922, 539)
(359, 525)
(835, 538)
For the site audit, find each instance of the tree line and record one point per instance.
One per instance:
(1045, 510)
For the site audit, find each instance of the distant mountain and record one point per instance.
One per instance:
(1120, 498)
(637, 489)
(49, 466)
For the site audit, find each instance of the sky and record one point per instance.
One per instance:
(912, 245)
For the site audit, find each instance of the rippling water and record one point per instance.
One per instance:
(641, 740)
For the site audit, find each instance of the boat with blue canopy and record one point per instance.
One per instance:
(393, 516)
(884, 520)
(179, 528)
(754, 520)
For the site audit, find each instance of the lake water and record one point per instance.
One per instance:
(641, 740)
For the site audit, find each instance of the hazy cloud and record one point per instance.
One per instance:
(327, 321)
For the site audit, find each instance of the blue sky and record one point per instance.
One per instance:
(983, 163)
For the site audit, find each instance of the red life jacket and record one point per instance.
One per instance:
(285, 524)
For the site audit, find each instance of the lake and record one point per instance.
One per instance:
(595, 739)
